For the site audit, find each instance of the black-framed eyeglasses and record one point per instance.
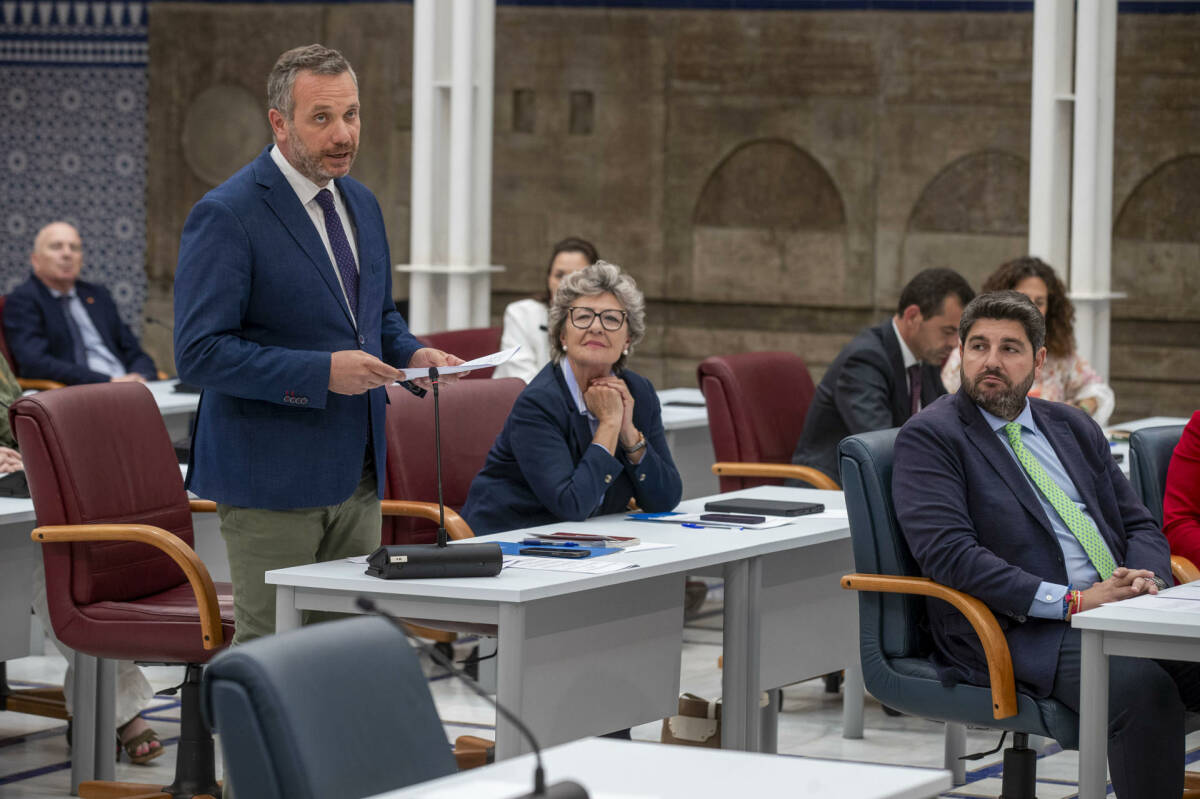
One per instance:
(582, 318)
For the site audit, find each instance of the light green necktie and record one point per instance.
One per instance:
(1079, 525)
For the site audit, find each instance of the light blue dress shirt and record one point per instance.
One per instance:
(1047, 602)
(99, 357)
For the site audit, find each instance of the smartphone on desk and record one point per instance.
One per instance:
(554, 552)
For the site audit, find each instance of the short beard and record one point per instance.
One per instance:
(1005, 404)
(308, 163)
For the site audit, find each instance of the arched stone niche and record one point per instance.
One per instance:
(1156, 243)
(769, 227)
(971, 217)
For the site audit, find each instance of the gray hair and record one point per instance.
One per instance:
(1012, 305)
(598, 278)
(315, 58)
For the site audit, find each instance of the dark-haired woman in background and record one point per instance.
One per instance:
(526, 322)
(586, 434)
(1066, 377)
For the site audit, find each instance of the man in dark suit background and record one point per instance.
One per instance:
(887, 372)
(1018, 502)
(62, 328)
(284, 316)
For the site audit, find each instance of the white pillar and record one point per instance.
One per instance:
(452, 167)
(1051, 110)
(1092, 166)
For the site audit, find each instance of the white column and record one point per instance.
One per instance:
(453, 46)
(1051, 110)
(1091, 197)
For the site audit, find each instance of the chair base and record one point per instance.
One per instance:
(1020, 770)
(47, 702)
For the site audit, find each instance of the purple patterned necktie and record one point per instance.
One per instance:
(341, 248)
(914, 389)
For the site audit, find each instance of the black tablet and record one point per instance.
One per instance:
(765, 507)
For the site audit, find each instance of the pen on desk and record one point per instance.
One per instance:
(695, 526)
(541, 542)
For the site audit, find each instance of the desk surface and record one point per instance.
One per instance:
(682, 408)
(1140, 619)
(691, 550)
(169, 402)
(608, 768)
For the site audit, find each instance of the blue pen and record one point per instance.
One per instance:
(538, 542)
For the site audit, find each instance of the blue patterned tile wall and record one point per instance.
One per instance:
(73, 128)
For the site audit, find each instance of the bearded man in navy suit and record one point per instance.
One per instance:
(284, 316)
(1018, 502)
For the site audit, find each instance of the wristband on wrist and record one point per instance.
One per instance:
(1066, 600)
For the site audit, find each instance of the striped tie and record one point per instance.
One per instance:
(1079, 525)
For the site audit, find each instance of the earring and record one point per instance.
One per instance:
(627, 350)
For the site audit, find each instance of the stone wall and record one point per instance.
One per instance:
(771, 178)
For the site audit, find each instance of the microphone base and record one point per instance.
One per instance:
(416, 561)
(566, 789)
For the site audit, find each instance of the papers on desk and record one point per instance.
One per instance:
(584, 566)
(1179, 599)
(495, 359)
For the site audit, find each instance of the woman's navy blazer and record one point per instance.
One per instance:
(544, 469)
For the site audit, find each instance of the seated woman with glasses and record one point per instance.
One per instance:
(586, 434)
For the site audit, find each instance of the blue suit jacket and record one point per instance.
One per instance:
(35, 326)
(543, 467)
(974, 523)
(258, 310)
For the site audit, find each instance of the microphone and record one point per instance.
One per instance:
(567, 789)
(413, 561)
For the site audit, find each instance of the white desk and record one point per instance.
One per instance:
(685, 421)
(1132, 631)
(631, 770)
(177, 409)
(1121, 448)
(582, 655)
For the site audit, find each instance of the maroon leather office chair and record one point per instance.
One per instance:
(122, 578)
(757, 402)
(467, 344)
(25, 383)
(473, 413)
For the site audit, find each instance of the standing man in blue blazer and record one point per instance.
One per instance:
(1018, 502)
(284, 316)
(62, 328)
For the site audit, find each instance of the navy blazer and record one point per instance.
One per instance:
(864, 389)
(974, 523)
(544, 469)
(35, 325)
(258, 311)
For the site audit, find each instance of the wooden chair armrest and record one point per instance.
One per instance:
(995, 646)
(1183, 570)
(173, 546)
(162, 375)
(202, 506)
(785, 471)
(456, 526)
(35, 384)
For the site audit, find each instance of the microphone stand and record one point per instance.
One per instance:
(436, 560)
(567, 789)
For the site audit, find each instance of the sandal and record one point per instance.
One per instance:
(147, 736)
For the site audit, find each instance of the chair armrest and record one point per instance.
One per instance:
(162, 375)
(1183, 570)
(202, 506)
(786, 471)
(456, 526)
(995, 646)
(173, 546)
(35, 384)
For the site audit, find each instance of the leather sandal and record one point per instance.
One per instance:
(146, 736)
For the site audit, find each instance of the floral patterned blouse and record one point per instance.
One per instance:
(1068, 379)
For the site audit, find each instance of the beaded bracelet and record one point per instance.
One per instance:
(1066, 600)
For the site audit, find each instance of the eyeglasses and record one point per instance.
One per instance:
(582, 318)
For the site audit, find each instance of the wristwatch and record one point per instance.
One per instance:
(1161, 583)
(641, 443)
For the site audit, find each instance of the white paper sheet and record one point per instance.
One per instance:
(495, 359)
(586, 566)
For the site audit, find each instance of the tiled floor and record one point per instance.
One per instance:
(34, 758)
